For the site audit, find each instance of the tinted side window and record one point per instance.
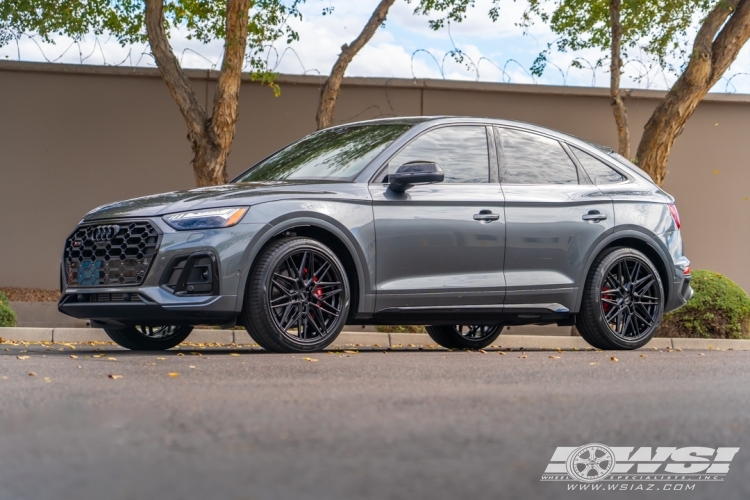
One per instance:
(597, 170)
(527, 158)
(460, 151)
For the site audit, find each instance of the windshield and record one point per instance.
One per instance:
(333, 154)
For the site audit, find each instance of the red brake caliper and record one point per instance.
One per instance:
(606, 306)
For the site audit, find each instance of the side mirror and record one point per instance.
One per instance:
(410, 174)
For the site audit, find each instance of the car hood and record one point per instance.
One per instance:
(227, 195)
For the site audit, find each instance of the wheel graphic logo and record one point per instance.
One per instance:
(590, 463)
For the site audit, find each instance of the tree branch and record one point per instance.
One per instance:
(730, 41)
(618, 106)
(330, 90)
(226, 100)
(171, 71)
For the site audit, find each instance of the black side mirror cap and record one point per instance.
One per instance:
(413, 173)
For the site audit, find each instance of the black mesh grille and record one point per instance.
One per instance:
(111, 254)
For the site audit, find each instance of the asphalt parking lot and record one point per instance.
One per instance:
(245, 424)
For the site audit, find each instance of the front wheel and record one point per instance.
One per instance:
(149, 338)
(464, 337)
(297, 298)
(623, 301)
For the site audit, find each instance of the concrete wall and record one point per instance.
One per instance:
(76, 137)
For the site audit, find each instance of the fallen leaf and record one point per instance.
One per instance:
(161, 358)
(47, 379)
(180, 353)
(716, 172)
(613, 359)
(191, 366)
(173, 374)
(74, 356)
(114, 376)
(701, 354)
(523, 356)
(643, 355)
(112, 359)
(482, 351)
(554, 357)
(309, 359)
(32, 374)
(352, 352)
(501, 353)
(710, 347)
(592, 363)
(233, 354)
(196, 354)
(22, 357)
(559, 350)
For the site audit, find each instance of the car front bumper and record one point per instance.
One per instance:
(157, 301)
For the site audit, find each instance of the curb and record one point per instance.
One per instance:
(368, 339)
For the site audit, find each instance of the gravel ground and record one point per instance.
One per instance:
(245, 424)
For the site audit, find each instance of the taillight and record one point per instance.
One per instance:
(686, 271)
(675, 215)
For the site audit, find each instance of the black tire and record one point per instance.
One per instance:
(283, 294)
(623, 301)
(454, 336)
(145, 338)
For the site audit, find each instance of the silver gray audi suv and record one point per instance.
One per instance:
(463, 224)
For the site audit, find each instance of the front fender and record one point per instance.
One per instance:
(351, 223)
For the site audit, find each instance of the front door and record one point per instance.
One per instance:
(553, 220)
(442, 244)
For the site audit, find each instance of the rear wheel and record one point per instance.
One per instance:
(623, 301)
(464, 337)
(149, 338)
(297, 298)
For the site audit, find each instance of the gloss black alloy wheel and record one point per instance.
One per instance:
(298, 297)
(464, 337)
(623, 301)
(149, 338)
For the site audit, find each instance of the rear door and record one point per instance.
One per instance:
(554, 217)
(442, 244)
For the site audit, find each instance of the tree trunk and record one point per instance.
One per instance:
(330, 90)
(210, 137)
(615, 70)
(712, 55)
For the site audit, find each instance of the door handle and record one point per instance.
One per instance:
(486, 216)
(594, 216)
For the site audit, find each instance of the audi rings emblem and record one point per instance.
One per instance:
(105, 233)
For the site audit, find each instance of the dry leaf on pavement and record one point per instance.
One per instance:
(114, 376)
(233, 354)
(554, 357)
(22, 357)
(173, 374)
(309, 359)
(74, 356)
(613, 359)
(32, 374)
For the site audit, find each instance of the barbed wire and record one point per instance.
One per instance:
(646, 73)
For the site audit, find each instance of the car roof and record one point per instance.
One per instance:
(447, 119)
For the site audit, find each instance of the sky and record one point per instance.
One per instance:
(405, 48)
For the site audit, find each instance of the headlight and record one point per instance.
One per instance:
(213, 218)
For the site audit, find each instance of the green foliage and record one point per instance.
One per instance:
(658, 27)
(7, 315)
(719, 309)
(400, 329)
(204, 20)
